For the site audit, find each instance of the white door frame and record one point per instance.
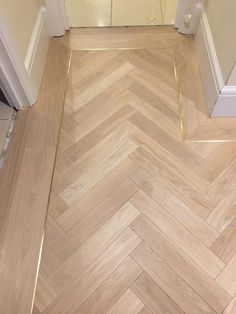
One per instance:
(14, 79)
(18, 86)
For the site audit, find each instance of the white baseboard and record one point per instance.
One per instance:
(226, 103)
(37, 50)
(220, 98)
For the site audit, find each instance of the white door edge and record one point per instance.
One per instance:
(187, 16)
(57, 17)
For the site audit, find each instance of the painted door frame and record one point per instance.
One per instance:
(14, 79)
(20, 79)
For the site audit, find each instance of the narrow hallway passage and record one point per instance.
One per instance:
(139, 221)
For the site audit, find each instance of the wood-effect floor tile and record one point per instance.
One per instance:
(139, 220)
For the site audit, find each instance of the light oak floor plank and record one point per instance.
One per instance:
(145, 310)
(175, 207)
(224, 247)
(93, 276)
(168, 280)
(95, 173)
(153, 296)
(184, 266)
(112, 288)
(129, 303)
(93, 247)
(96, 195)
(184, 239)
(82, 146)
(227, 278)
(68, 243)
(231, 308)
(45, 295)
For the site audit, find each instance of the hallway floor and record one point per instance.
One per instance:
(139, 221)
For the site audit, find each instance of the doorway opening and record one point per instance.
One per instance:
(106, 13)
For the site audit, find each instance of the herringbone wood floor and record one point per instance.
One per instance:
(139, 221)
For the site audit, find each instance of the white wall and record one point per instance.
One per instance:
(222, 20)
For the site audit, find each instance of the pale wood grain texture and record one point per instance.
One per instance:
(151, 294)
(145, 310)
(231, 308)
(78, 262)
(177, 289)
(123, 175)
(112, 288)
(44, 294)
(207, 288)
(175, 231)
(128, 303)
(95, 195)
(224, 247)
(173, 206)
(95, 274)
(67, 244)
(227, 278)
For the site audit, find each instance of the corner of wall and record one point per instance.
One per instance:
(220, 98)
(232, 78)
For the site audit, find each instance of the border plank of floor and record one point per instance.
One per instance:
(106, 38)
(25, 184)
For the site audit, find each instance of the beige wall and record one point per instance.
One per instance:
(222, 19)
(20, 17)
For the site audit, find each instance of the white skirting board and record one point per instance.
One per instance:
(226, 103)
(37, 50)
(220, 98)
